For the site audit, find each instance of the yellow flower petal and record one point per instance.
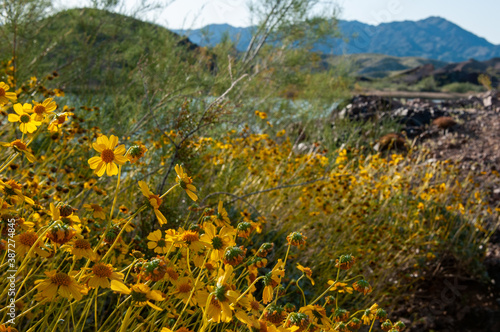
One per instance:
(113, 141)
(98, 147)
(144, 189)
(13, 118)
(154, 306)
(192, 195)
(111, 169)
(103, 140)
(161, 217)
(101, 168)
(155, 236)
(119, 287)
(18, 108)
(94, 162)
(120, 149)
(120, 160)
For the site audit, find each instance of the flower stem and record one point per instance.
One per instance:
(125, 320)
(248, 288)
(121, 232)
(7, 162)
(116, 192)
(303, 295)
(193, 290)
(371, 327)
(166, 193)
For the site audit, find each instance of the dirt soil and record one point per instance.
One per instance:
(448, 298)
(446, 302)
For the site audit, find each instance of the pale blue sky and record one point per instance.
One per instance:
(479, 16)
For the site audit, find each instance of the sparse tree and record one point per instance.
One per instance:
(20, 22)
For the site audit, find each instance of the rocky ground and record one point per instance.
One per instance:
(466, 131)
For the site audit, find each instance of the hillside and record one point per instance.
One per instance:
(461, 72)
(370, 66)
(431, 38)
(213, 34)
(99, 48)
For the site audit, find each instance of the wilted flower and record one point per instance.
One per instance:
(296, 239)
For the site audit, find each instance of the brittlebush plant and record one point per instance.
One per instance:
(87, 261)
(403, 214)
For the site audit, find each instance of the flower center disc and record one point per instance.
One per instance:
(190, 236)
(217, 243)
(184, 288)
(102, 270)
(156, 198)
(61, 279)
(18, 144)
(108, 156)
(215, 303)
(39, 109)
(172, 274)
(2, 92)
(82, 244)
(139, 296)
(25, 118)
(28, 239)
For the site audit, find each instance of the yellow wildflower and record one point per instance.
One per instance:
(339, 287)
(141, 294)
(20, 146)
(186, 182)
(28, 123)
(157, 242)
(6, 96)
(102, 274)
(25, 241)
(59, 120)
(110, 154)
(60, 283)
(271, 280)
(154, 200)
(307, 272)
(42, 109)
(12, 191)
(98, 210)
(81, 248)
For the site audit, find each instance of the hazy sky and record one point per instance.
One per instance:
(479, 16)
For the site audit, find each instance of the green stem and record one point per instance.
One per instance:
(121, 231)
(357, 312)
(125, 320)
(116, 192)
(323, 294)
(7, 162)
(95, 310)
(371, 327)
(193, 290)
(248, 288)
(303, 295)
(284, 265)
(166, 193)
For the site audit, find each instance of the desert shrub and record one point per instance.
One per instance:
(89, 244)
(462, 87)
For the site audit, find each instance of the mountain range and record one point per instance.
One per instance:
(432, 38)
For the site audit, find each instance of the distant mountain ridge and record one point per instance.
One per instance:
(432, 38)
